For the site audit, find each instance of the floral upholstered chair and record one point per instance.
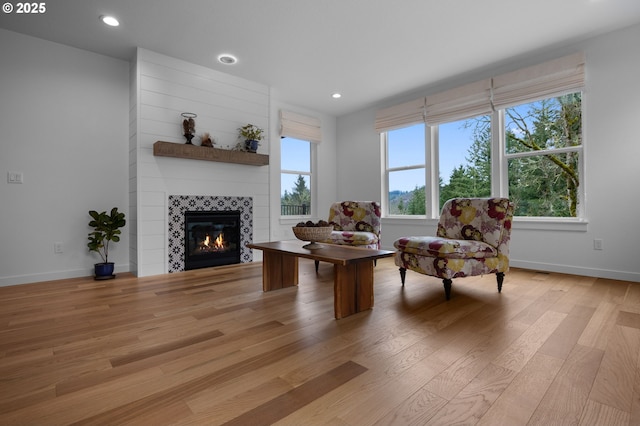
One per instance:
(472, 239)
(355, 223)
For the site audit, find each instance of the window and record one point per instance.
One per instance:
(518, 135)
(405, 171)
(543, 149)
(295, 177)
(464, 158)
(299, 133)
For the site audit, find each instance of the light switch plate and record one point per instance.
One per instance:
(14, 177)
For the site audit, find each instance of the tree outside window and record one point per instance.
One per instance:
(295, 177)
(465, 159)
(543, 148)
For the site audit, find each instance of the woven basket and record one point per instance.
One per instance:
(312, 233)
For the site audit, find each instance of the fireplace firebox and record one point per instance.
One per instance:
(212, 238)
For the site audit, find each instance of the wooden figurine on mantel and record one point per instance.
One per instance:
(206, 140)
(189, 126)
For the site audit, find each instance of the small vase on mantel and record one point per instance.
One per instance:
(252, 135)
(251, 145)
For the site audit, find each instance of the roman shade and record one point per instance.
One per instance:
(470, 100)
(401, 115)
(300, 126)
(552, 78)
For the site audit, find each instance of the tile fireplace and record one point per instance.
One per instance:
(188, 247)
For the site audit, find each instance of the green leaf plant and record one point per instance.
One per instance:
(106, 228)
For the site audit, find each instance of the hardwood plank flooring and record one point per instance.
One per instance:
(209, 347)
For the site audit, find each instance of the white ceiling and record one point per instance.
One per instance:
(368, 50)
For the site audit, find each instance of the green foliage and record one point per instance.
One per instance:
(417, 203)
(105, 229)
(465, 182)
(300, 194)
(473, 179)
(546, 185)
(251, 132)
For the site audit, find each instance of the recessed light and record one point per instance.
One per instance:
(227, 59)
(336, 96)
(109, 20)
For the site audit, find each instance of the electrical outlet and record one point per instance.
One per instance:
(14, 177)
(57, 247)
(598, 244)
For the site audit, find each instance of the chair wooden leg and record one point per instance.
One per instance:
(447, 288)
(403, 274)
(317, 262)
(500, 277)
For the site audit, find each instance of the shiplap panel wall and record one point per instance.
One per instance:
(166, 87)
(132, 219)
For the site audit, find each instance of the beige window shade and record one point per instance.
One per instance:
(541, 81)
(470, 100)
(300, 126)
(563, 75)
(401, 115)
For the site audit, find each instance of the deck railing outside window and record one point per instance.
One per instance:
(294, 210)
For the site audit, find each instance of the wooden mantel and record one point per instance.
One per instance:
(194, 152)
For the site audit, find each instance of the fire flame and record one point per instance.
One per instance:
(217, 244)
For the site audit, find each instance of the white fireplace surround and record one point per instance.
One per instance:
(179, 204)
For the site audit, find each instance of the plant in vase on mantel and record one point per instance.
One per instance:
(106, 228)
(252, 135)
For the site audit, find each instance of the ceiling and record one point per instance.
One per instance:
(368, 50)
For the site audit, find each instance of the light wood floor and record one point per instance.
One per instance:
(209, 347)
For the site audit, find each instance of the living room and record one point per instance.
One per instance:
(77, 107)
(151, 347)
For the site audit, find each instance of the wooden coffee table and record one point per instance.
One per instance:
(352, 271)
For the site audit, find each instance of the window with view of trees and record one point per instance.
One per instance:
(464, 159)
(541, 159)
(295, 177)
(543, 150)
(405, 171)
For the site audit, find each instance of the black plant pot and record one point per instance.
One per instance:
(103, 271)
(251, 145)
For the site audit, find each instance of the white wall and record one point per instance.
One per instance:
(612, 147)
(165, 88)
(81, 127)
(63, 124)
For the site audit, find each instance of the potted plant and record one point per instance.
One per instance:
(106, 228)
(252, 135)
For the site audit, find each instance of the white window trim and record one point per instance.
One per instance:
(551, 223)
(384, 147)
(432, 187)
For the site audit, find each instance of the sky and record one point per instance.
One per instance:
(297, 158)
(454, 145)
(455, 142)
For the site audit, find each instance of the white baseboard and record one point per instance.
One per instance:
(569, 269)
(52, 276)
(536, 266)
(576, 270)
